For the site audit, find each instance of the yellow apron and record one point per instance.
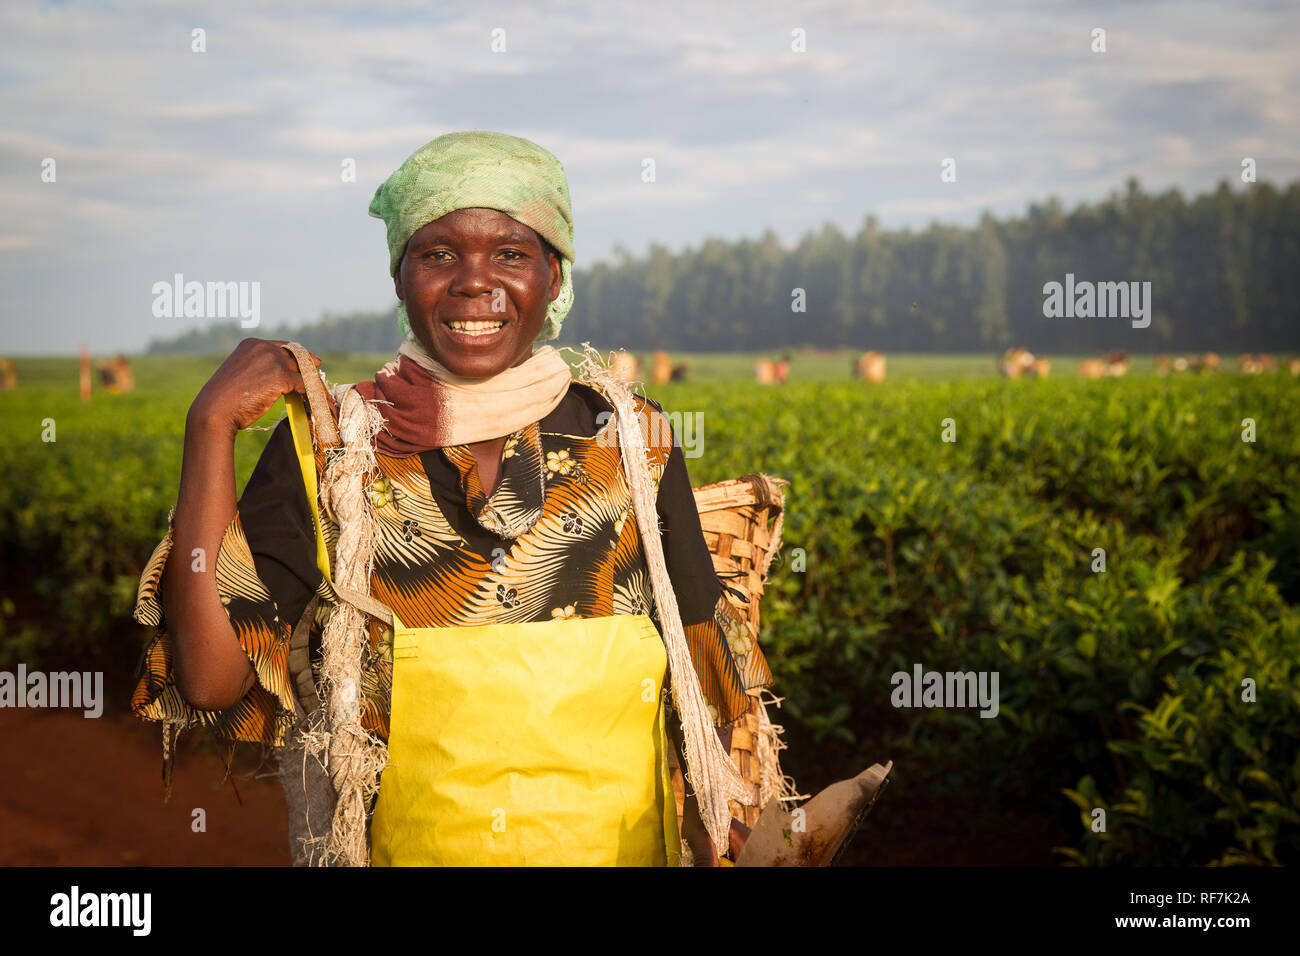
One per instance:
(536, 744)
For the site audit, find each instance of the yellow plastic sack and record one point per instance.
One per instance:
(539, 744)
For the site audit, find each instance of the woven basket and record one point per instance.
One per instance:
(742, 521)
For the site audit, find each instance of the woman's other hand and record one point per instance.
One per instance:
(702, 848)
(251, 379)
(696, 836)
(736, 837)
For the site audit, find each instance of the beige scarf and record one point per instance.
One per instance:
(427, 406)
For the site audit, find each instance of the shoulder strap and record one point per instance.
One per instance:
(301, 430)
(709, 770)
(324, 427)
(326, 430)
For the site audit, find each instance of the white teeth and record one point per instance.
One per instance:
(478, 327)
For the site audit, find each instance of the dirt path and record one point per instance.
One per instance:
(79, 792)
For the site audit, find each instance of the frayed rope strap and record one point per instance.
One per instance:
(709, 771)
(327, 436)
(354, 757)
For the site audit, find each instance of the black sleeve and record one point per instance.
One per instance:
(689, 564)
(722, 664)
(278, 526)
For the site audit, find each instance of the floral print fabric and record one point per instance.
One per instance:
(552, 541)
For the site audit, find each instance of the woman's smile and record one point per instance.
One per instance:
(473, 343)
(477, 334)
(477, 329)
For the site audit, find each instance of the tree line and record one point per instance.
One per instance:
(1222, 269)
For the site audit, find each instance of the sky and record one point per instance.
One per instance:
(227, 164)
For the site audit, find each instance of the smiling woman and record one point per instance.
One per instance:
(484, 623)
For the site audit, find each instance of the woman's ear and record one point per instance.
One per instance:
(557, 277)
(397, 284)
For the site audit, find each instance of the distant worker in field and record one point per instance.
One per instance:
(1256, 363)
(871, 366)
(661, 368)
(1041, 368)
(1017, 363)
(8, 375)
(1092, 368)
(765, 372)
(781, 369)
(1114, 365)
(680, 370)
(626, 366)
(115, 375)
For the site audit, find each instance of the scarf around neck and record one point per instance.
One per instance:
(433, 408)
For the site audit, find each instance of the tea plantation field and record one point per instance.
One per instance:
(1114, 551)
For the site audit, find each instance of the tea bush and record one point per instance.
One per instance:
(978, 555)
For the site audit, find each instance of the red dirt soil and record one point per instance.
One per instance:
(83, 792)
(89, 792)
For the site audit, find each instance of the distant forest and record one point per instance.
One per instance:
(1224, 270)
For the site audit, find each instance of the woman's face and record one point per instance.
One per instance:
(477, 284)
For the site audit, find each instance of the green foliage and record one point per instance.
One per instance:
(978, 555)
(79, 516)
(1214, 765)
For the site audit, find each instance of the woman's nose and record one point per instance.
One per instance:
(473, 276)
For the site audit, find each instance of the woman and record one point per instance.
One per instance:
(500, 511)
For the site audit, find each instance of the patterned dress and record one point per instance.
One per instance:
(557, 538)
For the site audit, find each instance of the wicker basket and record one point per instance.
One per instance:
(742, 521)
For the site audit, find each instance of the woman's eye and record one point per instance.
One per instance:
(433, 253)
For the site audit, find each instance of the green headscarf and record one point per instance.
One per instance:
(486, 170)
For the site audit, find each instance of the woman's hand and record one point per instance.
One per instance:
(701, 844)
(696, 836)
(737, 836)
(694, 832)
(247, 384)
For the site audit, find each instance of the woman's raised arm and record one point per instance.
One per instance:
(212, 671)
